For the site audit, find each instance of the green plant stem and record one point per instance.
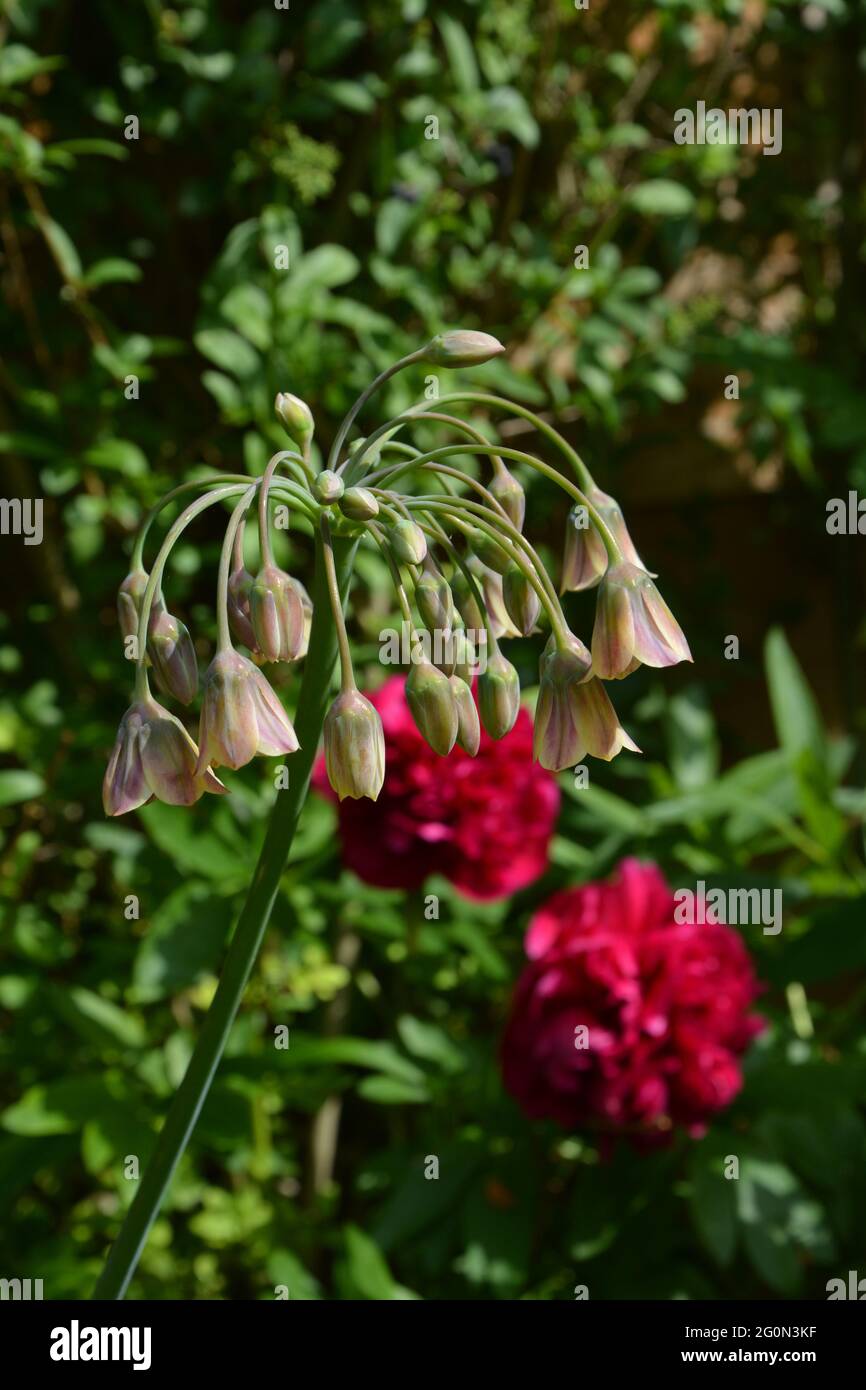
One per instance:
(246, 941)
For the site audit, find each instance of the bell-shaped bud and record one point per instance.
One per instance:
(240, 714)
(239, 586)
(462, 348)
(466, 602)
(509, 494)
(329, 486)
(354, 747)
(558, 742)
(153, 756)
(129, 600)
(468, 723)
(359, 504)
(428, 694)
(295, 416)
(277, 614)
(488, 552)
(499, 696)
(435, 602)
(408, 542)
(521, 601)
(633, 623)
(307, 605)
(172, 655)
(490, 584)
(584, 560)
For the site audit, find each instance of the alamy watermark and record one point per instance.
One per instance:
(444, 647)
(22, 516)
(737, 126)
(743, 907)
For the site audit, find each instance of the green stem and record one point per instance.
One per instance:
(245, 943)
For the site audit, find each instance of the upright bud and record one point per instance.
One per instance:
(129, 600)
(468, 724)
(358, 504)
(295, 416)
(462, 348)
(428, 694)
(499, 696)
(329, 486)
(354, 747)
(408, 542)
(521, 601)
(509, 494)
(435, 602)
(277, 615)
(172, 654)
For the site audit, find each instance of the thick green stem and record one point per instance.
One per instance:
(246, 941)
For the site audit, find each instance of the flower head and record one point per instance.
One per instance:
(240, 714)
(633, 624)
(484, 823)
(154, 756)
(625, 1020)
(462, 348)
(354, 747)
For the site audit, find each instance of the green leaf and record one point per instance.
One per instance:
(326, 267)
(430, 1043)
(99, 1018)
(693, 745)
(17, 784)
(248, 309)
(113, 270)
(185, 942)
(461, 54)
(387, 1090)
(109, 149)
(20, 64)
(118, 456)
(62, 247)
(662, 198)
(229, 351)
(363, 1270)
(713, 1203)
(795, 710)
(61, 1107)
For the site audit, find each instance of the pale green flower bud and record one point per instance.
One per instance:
(510, 495)
(468, 723)
(408, 542)
(428, 694)
(238, 604)
(465, 655)
(240, 715)
(277, 615)
(354, 747)
(467, 603)
(129, 600)
(499, 696)
(295, 416)
(462, 348)
(435, 602)
(358, 504)
(329, 486)
(633, 623)
(488, 552)
(521, 601)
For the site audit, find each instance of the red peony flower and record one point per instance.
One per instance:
(482, 822)
(623, 1019)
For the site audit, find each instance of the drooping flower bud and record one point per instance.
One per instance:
(468, 723)
(462, 348)
(429, 696)
(408, 542)
(153, 756)
(307, 605)
(499, 696)
(277, 614)
(584, 558)
(633, 623)
(172, 655)
(490, 584)
(488, 552)
(435, 602)
(129, 600)
(509, 494)
(466, 602)
(558, 741)
(359, 504)
(354, 747)
(465, 655)
(240, 715)
(295, 416)
(329, 486)
(521, 601)
(239, 587)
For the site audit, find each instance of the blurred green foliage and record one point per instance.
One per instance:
(202, 204)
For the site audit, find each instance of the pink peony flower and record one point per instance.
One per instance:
(482, 822)
(624, 1020)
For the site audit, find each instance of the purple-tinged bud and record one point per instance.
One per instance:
(633, 623)
(129, 600)
(494, 603)
(435, 602)
(522, 603)
(499, 696)
(358, 504)
(584, 560)
(428, 694)
(307, 605)
(172, 655)
(240, 714)
(468, 723)
(509, 494)
(329, 486)
(488, 552)
(408, 542)
(295, 416)
(354, 747)
(277, 615)
(462, 348)
(239, 586)
(558, 742)
(153, 756)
